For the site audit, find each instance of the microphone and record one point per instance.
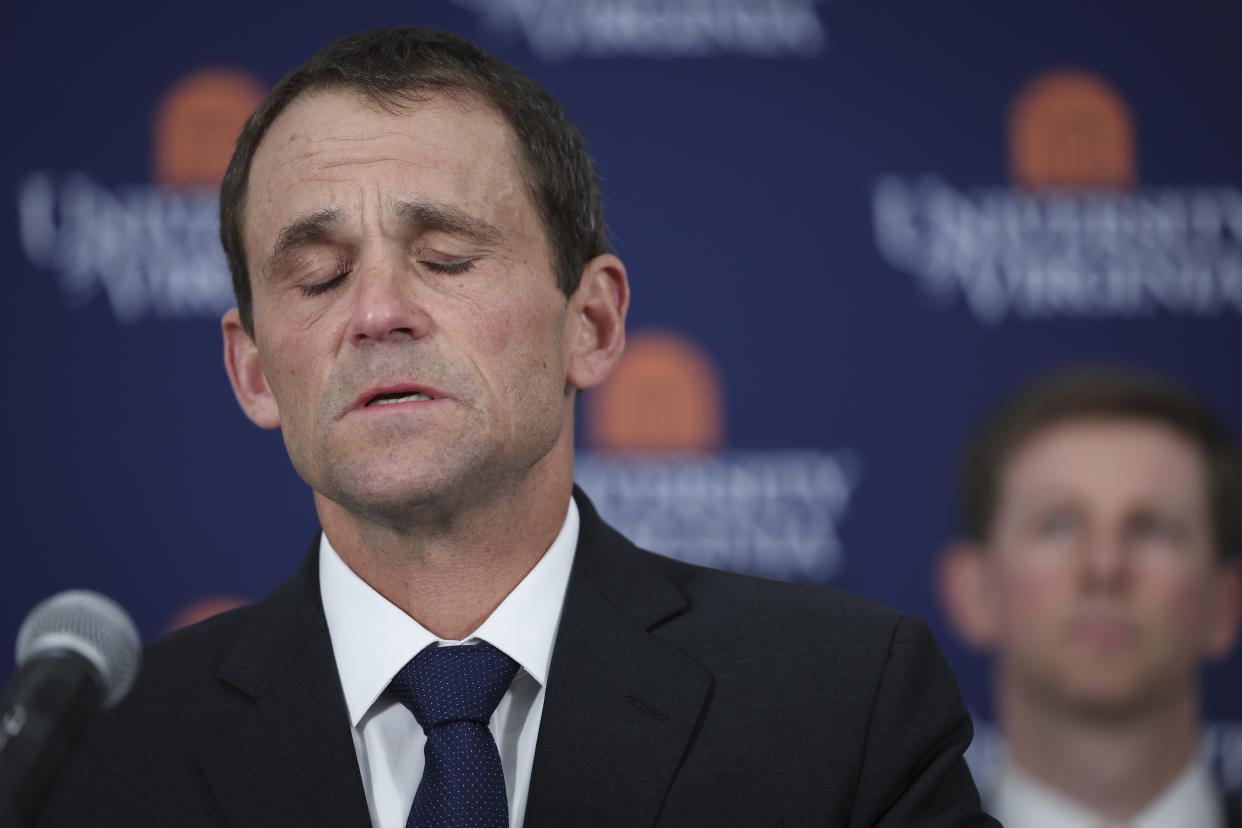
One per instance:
(77, 651)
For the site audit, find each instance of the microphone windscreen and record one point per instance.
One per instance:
(91, 625)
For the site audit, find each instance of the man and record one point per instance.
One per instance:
(424, 285)
(1101, 514)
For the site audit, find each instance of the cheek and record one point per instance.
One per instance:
(1031, 594)
(1177, 602)
(501, 332)
(489, 342)
(525, 335)
(289, 363)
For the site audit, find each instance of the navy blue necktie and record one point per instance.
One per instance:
(452, 692)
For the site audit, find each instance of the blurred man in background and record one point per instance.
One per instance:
(1100, 567)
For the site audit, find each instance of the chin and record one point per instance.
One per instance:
(1118, 696)
(383, 497)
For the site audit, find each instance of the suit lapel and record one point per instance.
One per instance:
(621, 709)
(621, 706)
(289, 759)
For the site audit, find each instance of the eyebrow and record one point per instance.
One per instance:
(300, 231)
(430, 215)
(424, 215)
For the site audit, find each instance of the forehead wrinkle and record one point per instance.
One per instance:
(314, 147)
(360, 162)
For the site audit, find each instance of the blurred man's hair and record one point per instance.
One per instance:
(1101, 394)
(397, 68)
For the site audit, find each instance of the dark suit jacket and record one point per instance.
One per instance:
(677, 695)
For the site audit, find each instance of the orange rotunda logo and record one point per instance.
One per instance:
(664, 395)
(202, 609)
(1069, 130)
(197, 124)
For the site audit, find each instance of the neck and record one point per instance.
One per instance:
(450, 568)
(1114, 766)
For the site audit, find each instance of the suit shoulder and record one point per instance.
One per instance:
(209, 633)
(191, 688)
(193, 656)
(178, 670)
(718, 599)
(730, 600)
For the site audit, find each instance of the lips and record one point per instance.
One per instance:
(395, 394)
(1103, 631)
(398, 397)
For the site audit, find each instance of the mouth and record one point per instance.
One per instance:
(395, 395)
(1103, 632)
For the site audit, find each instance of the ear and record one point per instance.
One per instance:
(241, 360)
(963, 585)
(1226, 610)
(595, 334)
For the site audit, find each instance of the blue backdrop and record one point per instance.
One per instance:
(850, 228)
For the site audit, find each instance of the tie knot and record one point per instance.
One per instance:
(453, 684)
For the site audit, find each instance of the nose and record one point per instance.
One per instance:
(1106, 560)
(386, 306)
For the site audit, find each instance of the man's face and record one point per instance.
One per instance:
(407, 320)
(1103, 591)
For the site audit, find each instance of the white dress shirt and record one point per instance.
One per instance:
(372, 639)
(1192, 799)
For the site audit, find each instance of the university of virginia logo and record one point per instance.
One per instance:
(203, 608)
(1076, 236)
(657, 471)
(152, 250)
(663, 396)
(196, 126)
(559, 29)
(1069, 131)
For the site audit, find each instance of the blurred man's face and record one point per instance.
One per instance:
(1101, 584)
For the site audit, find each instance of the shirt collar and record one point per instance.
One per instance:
(372, 638)
(1191, 799)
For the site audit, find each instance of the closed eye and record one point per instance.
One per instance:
(319, 288)
(448, 267)
(1059, 523)
(1155, 528)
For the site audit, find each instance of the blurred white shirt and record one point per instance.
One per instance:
(1191, 799)
(372, 639)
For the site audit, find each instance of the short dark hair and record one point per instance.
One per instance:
(1099, 393)
(396, 67)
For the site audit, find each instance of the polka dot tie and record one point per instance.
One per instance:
(452, 692)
